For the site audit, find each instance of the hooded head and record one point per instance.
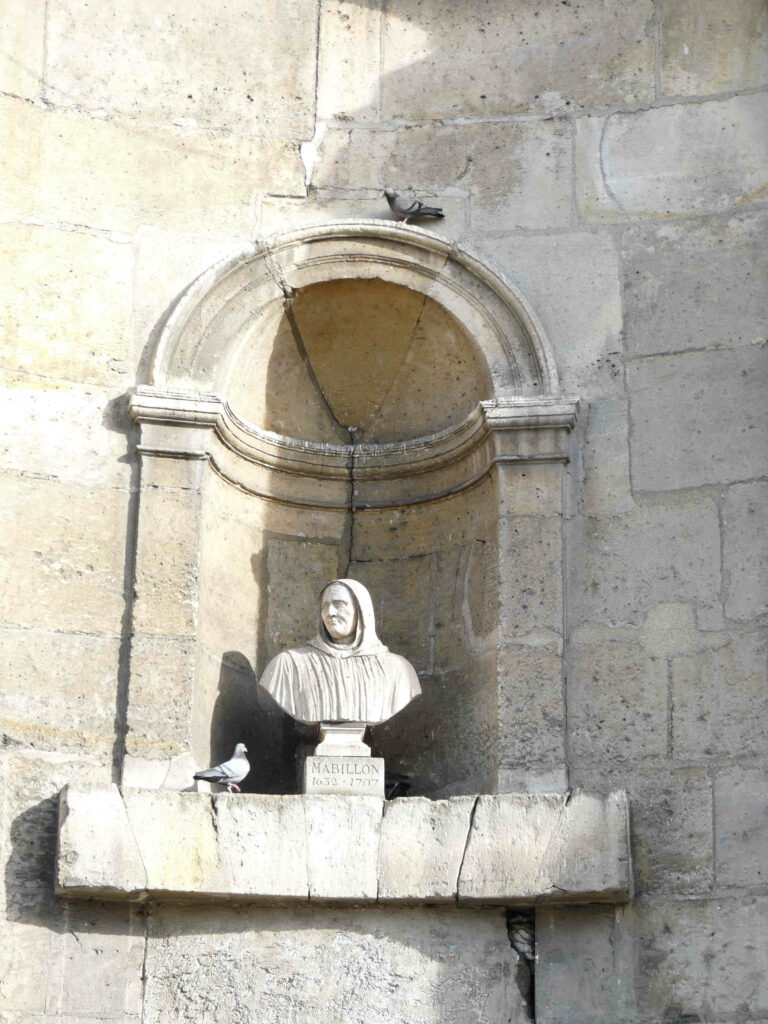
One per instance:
(363, 640)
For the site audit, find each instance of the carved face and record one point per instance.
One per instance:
(339, 612)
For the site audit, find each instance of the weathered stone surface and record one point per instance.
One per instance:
(696, 285)
(741, 838)
(701, 958)
(617, 699)
(526, 778)
(262, 845)
(440, 63)
(167, 573)
(623, 566)
(97, 847)
(145, 175)
(719, 700)
(159, 65)
(181, 856)
(22, 27)
(279, 214)
(146, 768)
(561, 846)
(58, 689)
(693, 168)
(96, 966)
(536, 489)
(165, 262)
(73, 434)
(671, 822)
(161, 688)
(460, 618)
(422, 847)
(531, 709)
(576, 977)
(606, 485)
(434, 157)
(670, 629)
(708, 48)
(373, 346)
(412, 530)
(24, 965)
(530, 549)
(582, 315)
(745, 550)
(348, 61)
(225, 625)
(54, 327)
(343, 846)
(63, 548)
(433, 965)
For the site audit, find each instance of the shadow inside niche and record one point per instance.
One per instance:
(244, 713)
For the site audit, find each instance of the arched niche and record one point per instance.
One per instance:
(357, 399)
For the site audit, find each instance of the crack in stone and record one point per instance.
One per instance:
(466, 844)
(521, 932)
(142, 895)
(603, 177)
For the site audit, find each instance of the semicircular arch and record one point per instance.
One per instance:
(202, 342)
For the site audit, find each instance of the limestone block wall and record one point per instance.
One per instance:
(609, 156)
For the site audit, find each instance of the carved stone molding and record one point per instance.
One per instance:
(179, 424)
(201, 340)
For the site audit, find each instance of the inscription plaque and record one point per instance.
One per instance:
(363, 775)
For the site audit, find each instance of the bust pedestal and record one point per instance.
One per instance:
(342, 762)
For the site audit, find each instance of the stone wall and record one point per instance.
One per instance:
(609, 157)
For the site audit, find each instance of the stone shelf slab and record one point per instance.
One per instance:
(139, 844)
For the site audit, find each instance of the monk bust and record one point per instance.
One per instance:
(345, 674)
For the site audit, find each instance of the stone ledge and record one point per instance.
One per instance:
(507, 849)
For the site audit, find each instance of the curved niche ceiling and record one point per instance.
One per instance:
(363, 354)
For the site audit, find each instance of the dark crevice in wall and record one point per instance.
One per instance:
(353, 431)
(118, 417)
(349, 540)
(146, 913)
(522, 938)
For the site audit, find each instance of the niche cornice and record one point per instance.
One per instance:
(176, 424)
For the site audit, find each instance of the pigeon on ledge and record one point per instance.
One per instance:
(230, 772)
(407, 206)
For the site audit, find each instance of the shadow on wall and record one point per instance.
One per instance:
(29, 870)
(244, 713)
(117, 418)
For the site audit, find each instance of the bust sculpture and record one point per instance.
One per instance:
(345, 674)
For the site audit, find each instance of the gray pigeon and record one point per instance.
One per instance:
(407, 206)
(229, 773)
